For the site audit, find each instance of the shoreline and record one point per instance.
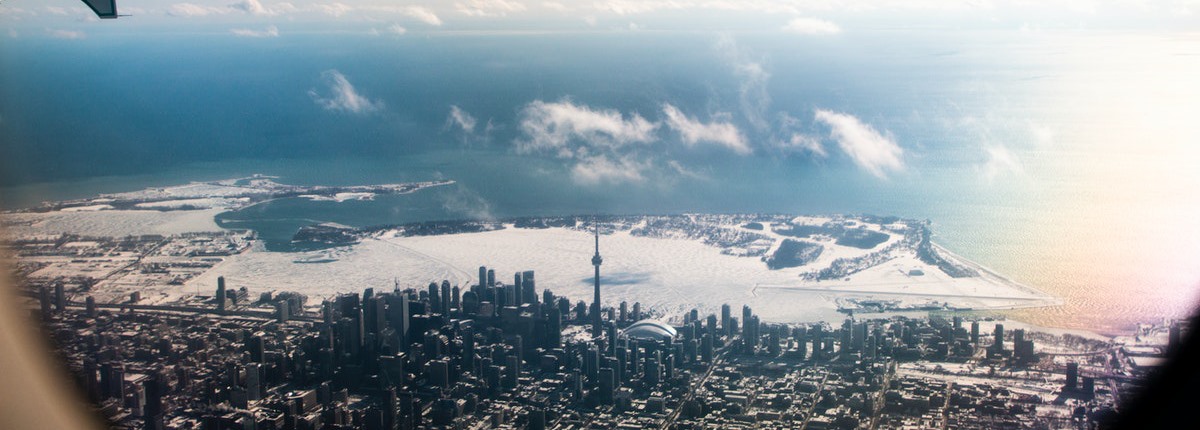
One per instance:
(1040, 298)
(998, 277)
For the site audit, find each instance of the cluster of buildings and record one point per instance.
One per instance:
(117, 269)
(506, 355)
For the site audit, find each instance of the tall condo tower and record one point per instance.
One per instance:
(596, 260)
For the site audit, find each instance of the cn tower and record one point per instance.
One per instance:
(596, 260)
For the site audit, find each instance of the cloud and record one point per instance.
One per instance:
(458, 199)
(397, 29)
(65, 34)
(811, 26)
(685, 172)
(871, 150)
(191, 9)
(752, 86)
(343, 96)
(630, 7)
(693, 131)
(461, 118)
(335, 9)
(57, 10)
(555, 126)
(374, 12)
(596, 170)
(1000, 162)
(422, 14)
(607, 146)
(252, 7)
(270, 31)
(488, 7)
(786, 139)
(555, 6)
(805, 143)
(1043, 136)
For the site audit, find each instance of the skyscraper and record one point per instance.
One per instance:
(221, 294)
(596, 260)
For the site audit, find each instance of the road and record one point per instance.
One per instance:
(193, 309)
(717, 359)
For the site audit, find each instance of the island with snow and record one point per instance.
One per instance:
(228, 194)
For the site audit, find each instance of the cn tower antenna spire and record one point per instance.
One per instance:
(596, 260)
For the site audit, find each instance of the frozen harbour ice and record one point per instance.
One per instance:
(668, 275)
(670, 264)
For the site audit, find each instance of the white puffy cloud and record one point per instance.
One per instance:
(788, 139)
(805, 143)
(872, 151)
(630, 7)
(422, 14)
(397, 29)
(1000, 161)
(599, 169)
(557, 125)
(811, 26)
(607, 146)
(488, 7)
(253, 7)
(419, 13)
(192, 9)
(270, 31)
(335, 9)
(461, 118)
(693, 132)
(342, 95)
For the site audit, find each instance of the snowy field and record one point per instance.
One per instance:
(671, 276)
(111, 223)
(662, 262)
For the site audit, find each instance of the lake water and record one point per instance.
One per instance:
(1065, 161)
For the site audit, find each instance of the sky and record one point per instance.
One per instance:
(259, 18)
(615, 140)
(606, 144)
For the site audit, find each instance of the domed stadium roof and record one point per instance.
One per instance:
(649, 330)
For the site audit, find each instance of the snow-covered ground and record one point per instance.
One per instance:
(197, 203)
(198, 190)
(669, 275)
(112, 223)
(668, 264)
(340, 197)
